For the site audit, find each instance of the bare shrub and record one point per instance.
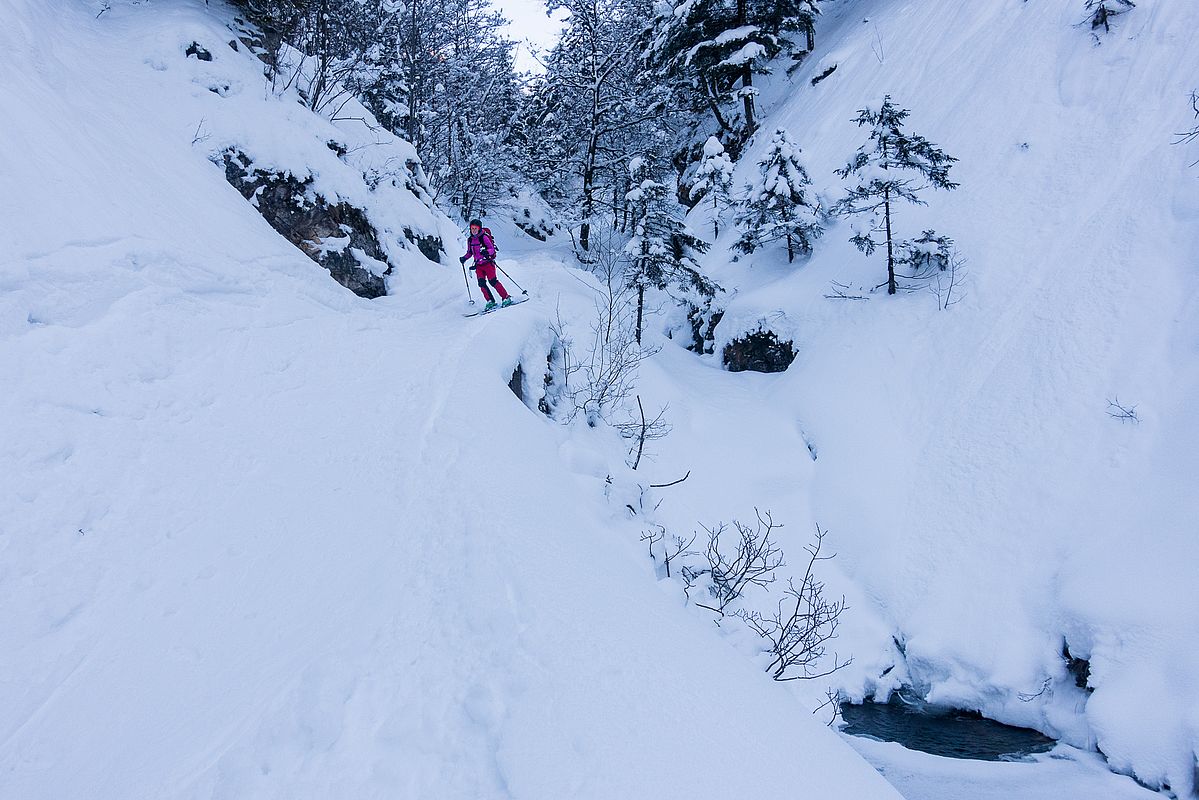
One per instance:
(804, 621)
(750, 561)
(599, 376)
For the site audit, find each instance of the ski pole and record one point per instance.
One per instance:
(525, 292)
(467, 282)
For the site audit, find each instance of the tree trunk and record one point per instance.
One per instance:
(790, 250)
(710, 98)
(887, 215)
(413, 56)
(588, 207)
(747, 74)
(640, 309)
(890, 249)
(747, 99)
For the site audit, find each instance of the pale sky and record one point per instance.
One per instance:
(530, 23)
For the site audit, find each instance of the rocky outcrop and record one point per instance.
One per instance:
(337, 236)
(758, 351)
(198, 51)
(429, 246)
(517, 383)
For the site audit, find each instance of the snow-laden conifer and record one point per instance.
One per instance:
(663, 255)
(714, 180)
(709, 51)
(892, 165)
(780, 204)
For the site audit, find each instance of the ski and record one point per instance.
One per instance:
(515, 302)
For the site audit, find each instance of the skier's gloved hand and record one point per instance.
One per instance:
(462, 259)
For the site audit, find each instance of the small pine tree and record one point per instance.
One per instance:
(714, 180)
(779, 204)
(925, 255)
(1100, 12)
(663, 254)
(886, 170)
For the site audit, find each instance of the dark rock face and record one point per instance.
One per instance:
(429, 246)
(1079, 669)
(532, 230)
(195, 49)
(759, 351)
(554, 381)
(283, 201)
(824, 74)
(539, 229)
(517, 383)
(703, 329)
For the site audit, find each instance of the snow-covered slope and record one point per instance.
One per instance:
(982, 499)
(261, 538)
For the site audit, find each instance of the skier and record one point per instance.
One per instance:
(481, 247)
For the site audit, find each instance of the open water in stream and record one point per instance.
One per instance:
(942, 731)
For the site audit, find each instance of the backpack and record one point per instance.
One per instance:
(494, 247)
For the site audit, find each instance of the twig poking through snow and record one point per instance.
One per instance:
(1187, 137)
(1123, 413)
(832, 700)
(201, 135)
(672, 483)
(841, 291)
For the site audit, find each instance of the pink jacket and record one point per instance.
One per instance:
(481, 248)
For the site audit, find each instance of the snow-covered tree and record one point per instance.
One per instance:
(925, 255)
(336, 36)
(591, 112)
(709, 52)
(792, 16)
(462, 93)
(1101, 12)
(661, 251)
(440, 74)
(780, 203)
(892, 165)
(714, 180)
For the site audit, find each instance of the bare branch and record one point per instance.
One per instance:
(833, 701)
(803, 623)
(841, 291)
(672, 483)
(752, 561)
(201, 135)
(1121, 412)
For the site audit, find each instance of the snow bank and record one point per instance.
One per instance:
(262, 538)
(985, 504)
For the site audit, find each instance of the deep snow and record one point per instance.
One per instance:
(986, 508)
(261, 538)
(266, 539)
